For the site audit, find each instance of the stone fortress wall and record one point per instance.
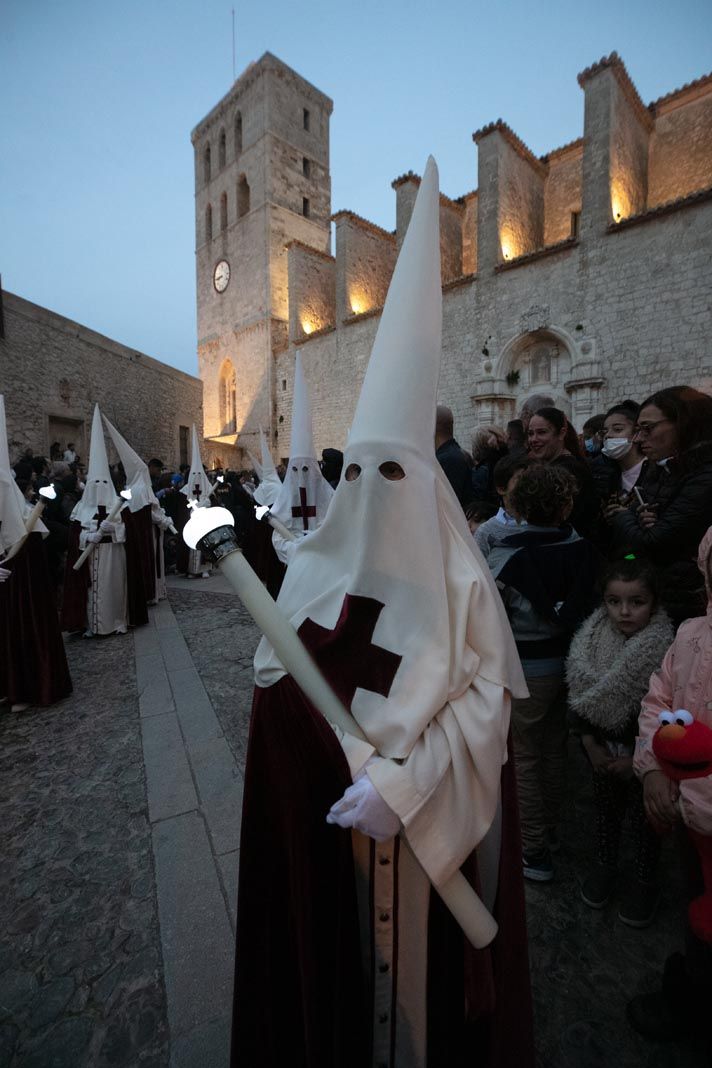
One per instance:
(585, 273)
(53, 371)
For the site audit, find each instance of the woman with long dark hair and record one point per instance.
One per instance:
(552, 440)
(674, 434)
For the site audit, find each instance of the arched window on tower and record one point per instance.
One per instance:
(238, 134)
(243, 196)
(222, 149)
(209, 223)
(223, 211)
(228, 398)
(206, 163)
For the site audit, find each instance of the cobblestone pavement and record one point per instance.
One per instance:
(80, 968)
(222, 639)
(585, 963)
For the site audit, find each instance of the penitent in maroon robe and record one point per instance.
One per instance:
(33, 663)
(76, 583)
(302, 996)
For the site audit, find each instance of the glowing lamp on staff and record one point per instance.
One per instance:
(212, 531)
(265, 516)
(47, 493)
(113, 515)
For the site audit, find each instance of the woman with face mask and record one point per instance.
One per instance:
(617, 467)
(674, 434)
(618, 444)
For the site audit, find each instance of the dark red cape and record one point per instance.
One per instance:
(263, 559)
(140, 564)
(176, 506)
(299, 993)
(33, 663)
(76, 583)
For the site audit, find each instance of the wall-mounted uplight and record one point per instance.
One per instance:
(358, 303)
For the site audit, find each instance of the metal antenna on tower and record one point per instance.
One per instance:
(233, 44)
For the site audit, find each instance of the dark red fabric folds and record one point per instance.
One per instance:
(76, 585)
(140, 577)
(264, 560)
(299, 999)
(492, 1024)
(33, 664)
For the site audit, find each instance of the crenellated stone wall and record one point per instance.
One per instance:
(562, 192)
(584, 273)
(680, 160)
(365, 258)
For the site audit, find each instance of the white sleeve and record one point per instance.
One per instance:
(285, 548)
(446, 791)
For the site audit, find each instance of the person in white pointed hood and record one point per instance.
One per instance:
(148, 520)
(398, 609)
(304, 496)
(270, 482)
(197, 491)
(33, 664)
(96, 596)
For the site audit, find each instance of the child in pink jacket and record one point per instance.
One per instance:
(684, 680)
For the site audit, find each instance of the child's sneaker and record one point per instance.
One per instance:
(640, 904)
(538, 866)
(598, 886)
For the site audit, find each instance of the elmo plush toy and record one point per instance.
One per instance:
(683, 748)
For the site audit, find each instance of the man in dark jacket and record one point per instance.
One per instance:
(451, 457)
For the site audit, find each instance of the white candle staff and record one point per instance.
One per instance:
(264, 515)
(212, 531)
(47, 493)
(111, 518)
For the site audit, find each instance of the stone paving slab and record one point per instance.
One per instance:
(229, 868)
(195, 799)
(195, 712)
(171, 790)
(207, 1045)
(156, 697)
(198, 946)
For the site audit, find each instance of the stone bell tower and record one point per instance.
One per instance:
(261, 181)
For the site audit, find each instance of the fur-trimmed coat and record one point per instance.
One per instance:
(608, 675)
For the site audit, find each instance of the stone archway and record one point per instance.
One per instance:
(544, 360)
(538, 361)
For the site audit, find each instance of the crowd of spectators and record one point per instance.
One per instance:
(600, 544)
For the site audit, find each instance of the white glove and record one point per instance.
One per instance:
(94, 537)
(363, 808)
(106, 527)
(4, 574)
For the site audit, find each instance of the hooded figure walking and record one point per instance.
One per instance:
(96, 596)
(345, 955)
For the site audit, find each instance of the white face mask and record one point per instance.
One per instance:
(616, 448)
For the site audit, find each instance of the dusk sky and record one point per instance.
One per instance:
(97, 102)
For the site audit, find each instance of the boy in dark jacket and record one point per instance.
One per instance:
(546, 574)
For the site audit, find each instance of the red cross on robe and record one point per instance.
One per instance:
(306, 511)
(346, 655)
(197, 491)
